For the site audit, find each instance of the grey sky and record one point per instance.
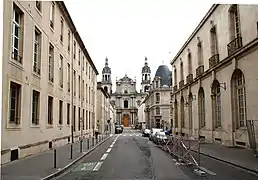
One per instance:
(128, 30)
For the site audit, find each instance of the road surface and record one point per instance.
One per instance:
(130, 156)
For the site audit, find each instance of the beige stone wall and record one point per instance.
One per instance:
(245, 59)
(26, 133)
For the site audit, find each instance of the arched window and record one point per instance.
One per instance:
(190, 63)
(106, 89)
(125, 91)
(125, 104)
(181, 71)
(201, 107)
(200, 54)
(145, 88)
(214, 42)
(176, 114)
(238, 99)
(216, 104)
(182, 112)
(146, 78)
(190, 111)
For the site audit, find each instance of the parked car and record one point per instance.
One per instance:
(118, 129)
(146, 132)
(160, 138)
(153, 131)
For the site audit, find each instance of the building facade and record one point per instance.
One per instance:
(103, 109)
(157, 102)
(49, 79)
(141, 115)
(215, 80)
(125, 99)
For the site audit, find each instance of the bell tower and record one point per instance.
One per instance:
(106, 82)
(146, 77)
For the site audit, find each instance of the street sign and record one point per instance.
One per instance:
(85, 166)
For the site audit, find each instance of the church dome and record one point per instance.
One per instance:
(146, 68)
(106, 69)
(165, 74)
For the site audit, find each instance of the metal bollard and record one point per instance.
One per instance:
(71, 149)
(54, 158)
(88, 143)
(81, 145)
(92, 141)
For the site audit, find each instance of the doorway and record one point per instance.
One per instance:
(126, 120)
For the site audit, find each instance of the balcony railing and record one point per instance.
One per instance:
(189, 78)
(175, 88)
(199, 70)
(214, 60)
(234, 45)
(181, 84)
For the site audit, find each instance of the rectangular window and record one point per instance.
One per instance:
(60, 112)
(52, 15)
(79, 118)
(17, 34)
(89, 120)
(79, 61)
(69, 39)
(15, 103)
(74, 117)
(74, 50)
(157, 98)
(62, 30)
(83, 120)
(74, 83)
(37, 52)
(83, 90)
(38, 5)
(61, 71)
(83, 63)
(257, 27)
(79, 85)
(89, 95)
(87, 127)
(51, 63)
(86, 93)
(35, 107)
(86, 67)
(50, 110)
(69, 77)
(68, 114)
(89, 72)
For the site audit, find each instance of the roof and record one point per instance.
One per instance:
(165, 74)
(102, 90)
(76, 34)
(208, 14)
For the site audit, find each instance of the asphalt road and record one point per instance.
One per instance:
(130, 156)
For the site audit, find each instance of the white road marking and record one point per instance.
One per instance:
(111, 145)
(208, 171)
(131, 135)
(96, 168)
(104, 157)
(108, 150)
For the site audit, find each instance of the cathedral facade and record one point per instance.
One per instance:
(126, 99)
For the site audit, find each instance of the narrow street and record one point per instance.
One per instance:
(131, 156)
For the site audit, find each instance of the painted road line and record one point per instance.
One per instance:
(208, 171)
(108, 150)
(131, 135)
(104, 157)
(96, 168)
(111, 145)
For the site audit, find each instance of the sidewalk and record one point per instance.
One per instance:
(237, 156)
(41, 165)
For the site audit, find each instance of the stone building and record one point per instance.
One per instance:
(126, 98)
(49, 80)
(103, 109)
(157, 102)
(215, 77)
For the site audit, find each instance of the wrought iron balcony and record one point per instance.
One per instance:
(181, 84)
(214, 60)
(199, 70)
(234, 45)
(189, 78)
(175, 88)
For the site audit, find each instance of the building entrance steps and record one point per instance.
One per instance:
(41, 164)
(241, 157)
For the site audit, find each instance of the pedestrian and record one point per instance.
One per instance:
(96, 133)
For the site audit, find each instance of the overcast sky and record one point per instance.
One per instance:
(128, 30)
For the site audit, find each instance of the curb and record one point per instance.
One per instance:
(55, 174)
(227, 162)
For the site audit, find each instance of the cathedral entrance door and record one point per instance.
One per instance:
(126, 120)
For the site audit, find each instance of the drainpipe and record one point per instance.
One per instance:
(72, 91)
